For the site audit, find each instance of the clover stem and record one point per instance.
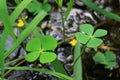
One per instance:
(67, 39)
(82, 51)
(61, 12)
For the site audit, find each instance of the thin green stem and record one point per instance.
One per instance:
(62, 41)
(15, 60)
(62, 17)
(82, 51)
(41, 31)
(11, 7)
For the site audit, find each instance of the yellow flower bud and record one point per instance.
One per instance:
(73, 42)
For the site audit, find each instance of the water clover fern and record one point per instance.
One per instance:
(42, 49)
(89, 37)
(108, 59)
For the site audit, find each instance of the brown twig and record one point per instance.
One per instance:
(15, 65)
(108, 48)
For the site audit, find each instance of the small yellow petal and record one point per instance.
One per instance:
(20, 23)
(73, 42)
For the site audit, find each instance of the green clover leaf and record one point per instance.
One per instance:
(32, 43)
(94, 42)
(99, 58)
(110, 56)
(87, 28)
(35, 7)
(49, 43)
(41, 48)
(32, 56)
(100, 33)
(108, 59)
(82, 38)
(110, 65)
(89, 37)
(46, 7)
(47, 57)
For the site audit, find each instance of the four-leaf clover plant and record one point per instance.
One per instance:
(42, 49)
(89, 37)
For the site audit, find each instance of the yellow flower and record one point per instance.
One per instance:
(73, 42)
(20, 23)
